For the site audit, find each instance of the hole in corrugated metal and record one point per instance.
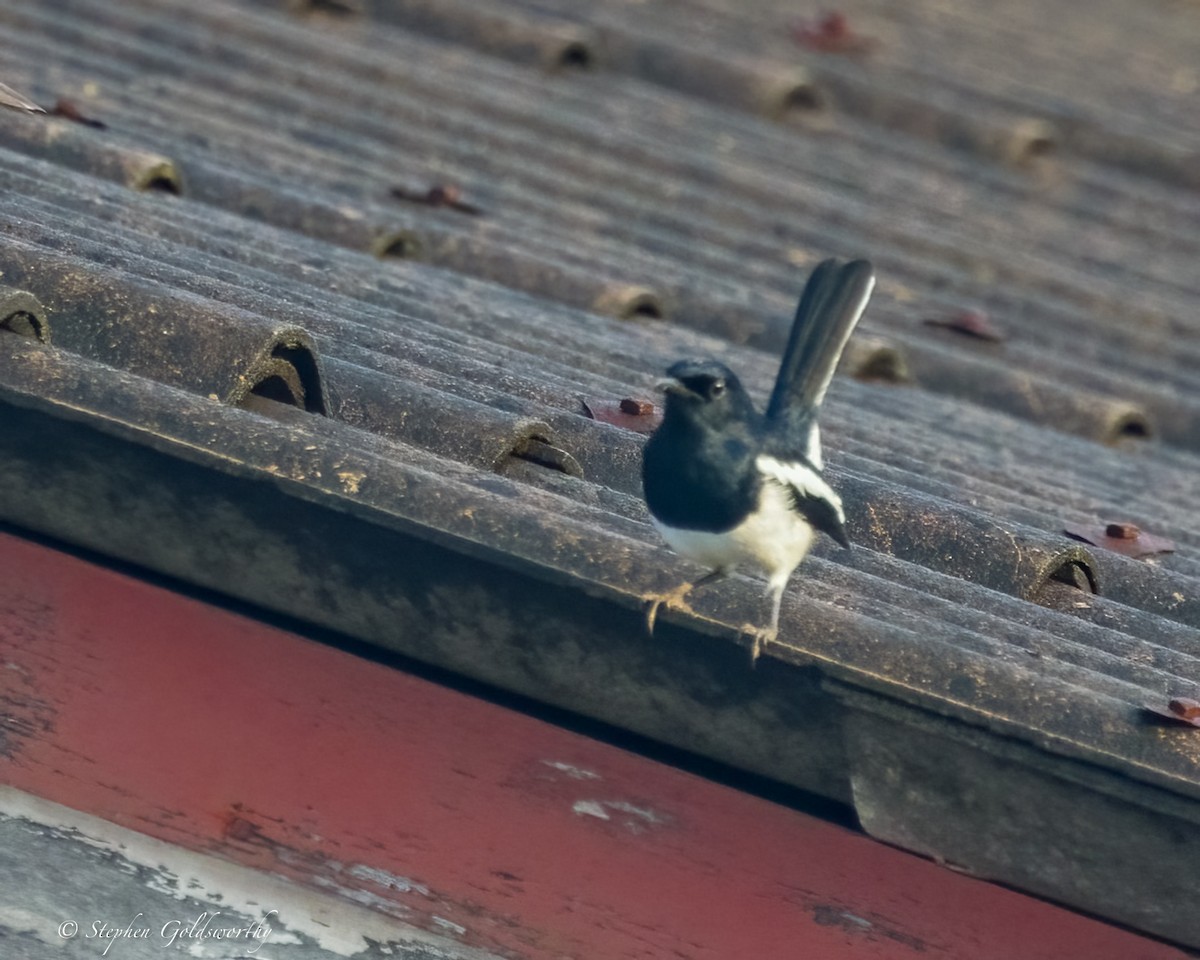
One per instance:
(301, 359)
(290, 378)
(1075, 574)
(576, 56)
(630, 302)
(21, 313)
(280, 389)
(644, 305)
(881, 365)
(1132, 426)
(1032, 144)
(541, 453)
(23, 325)
(161, 177)
(803, 98)
(1039, 147)
(163, 185)
(401, 245)
(1064, 585)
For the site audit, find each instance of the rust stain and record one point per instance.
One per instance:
(832, 33)
(631, 413)
(1180, 710)
(447, 195)
(1121, 537)
(68, 110)
(971, 322)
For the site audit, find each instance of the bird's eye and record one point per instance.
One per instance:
(717, 388)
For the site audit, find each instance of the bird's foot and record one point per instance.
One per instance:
(759, 638)
(672, 600)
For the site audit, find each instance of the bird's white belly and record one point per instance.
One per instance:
(773, 539)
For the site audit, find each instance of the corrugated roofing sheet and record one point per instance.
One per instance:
(269, 219)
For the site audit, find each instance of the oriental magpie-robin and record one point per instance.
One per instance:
(728, 486)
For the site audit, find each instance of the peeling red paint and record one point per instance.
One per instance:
(212, 731)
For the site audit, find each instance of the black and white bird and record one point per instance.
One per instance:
(728, 487)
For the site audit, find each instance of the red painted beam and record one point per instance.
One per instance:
(213, 731)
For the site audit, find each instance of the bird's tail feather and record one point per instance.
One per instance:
(833, 300)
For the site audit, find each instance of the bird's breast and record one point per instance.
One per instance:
(772, 538)
(709, 486)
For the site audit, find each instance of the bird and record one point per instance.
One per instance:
(728, 487)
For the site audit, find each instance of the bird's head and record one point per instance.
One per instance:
(705, 391)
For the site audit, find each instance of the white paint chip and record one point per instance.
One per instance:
(591, 808)
(449, 925)
(636, 818)
(642, 812)
(389, 881)
(572, 771)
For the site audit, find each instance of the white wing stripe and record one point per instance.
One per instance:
(800, 476)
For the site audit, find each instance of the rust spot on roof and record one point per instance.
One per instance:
(1122, 537)
(831, 33)
(972, 322)
(446, 195)
(68, 110)
(640, 416)
(1180, 710)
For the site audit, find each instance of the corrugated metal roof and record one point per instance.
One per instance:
(648, 181)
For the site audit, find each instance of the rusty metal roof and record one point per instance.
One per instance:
(314, 298)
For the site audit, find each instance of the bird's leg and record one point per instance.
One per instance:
(674, 599)
(761, 636)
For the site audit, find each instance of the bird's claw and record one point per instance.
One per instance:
(672, 600)
(759, 638)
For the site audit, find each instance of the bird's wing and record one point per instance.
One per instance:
(810, 495)
(833, 300)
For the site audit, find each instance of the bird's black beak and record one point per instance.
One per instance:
(671, 385)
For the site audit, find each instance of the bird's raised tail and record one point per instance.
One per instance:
(834, 298)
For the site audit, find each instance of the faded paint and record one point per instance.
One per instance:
(450, 925)
(590, 808)
(576, 773)
(134, 874)
(643, 813)
(389, 881)
(637, 820)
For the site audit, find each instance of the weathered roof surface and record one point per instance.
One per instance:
(640, 182)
